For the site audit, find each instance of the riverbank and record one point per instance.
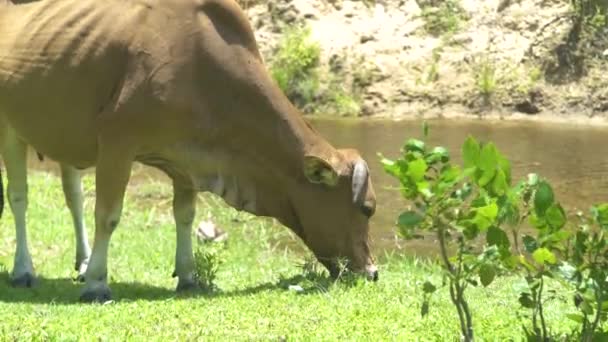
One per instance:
(264, 293)
(457, 58)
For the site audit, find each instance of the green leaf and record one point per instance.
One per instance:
(576, 317)
(450, 173)
(488, 158)
(425, 128)
(555, 216)
(497, 237)
(470, 152)
(522, 261)
(487, 273)
(415, 145)
(489, 211)
(424, 188)
(428, 287)
(438, 154)
(486, 177)
(600, 212)
(526, 301)
(544, 256)
(417, 170)
(391, 167)
(543, 198)
(409, 219)
(505, 166)
(499, 185)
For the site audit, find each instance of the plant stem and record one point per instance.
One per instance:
(454, 297)
(460, 291)
(540, 309)
(598, 314)
(455, 289)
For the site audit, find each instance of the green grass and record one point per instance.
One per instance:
(253, 301)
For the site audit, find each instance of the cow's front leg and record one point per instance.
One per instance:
(15, 156)
(111, 177)
(183, 211)
(72, 189)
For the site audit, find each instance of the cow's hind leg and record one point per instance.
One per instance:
(14, 153)
(111, 178)
(183, 211)
(72, 189)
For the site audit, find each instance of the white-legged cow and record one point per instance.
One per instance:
(14, 155)
(179, 85)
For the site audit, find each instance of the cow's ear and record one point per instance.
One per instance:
(319, 171)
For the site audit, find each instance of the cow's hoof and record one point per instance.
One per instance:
(25, 280)
(80, 278)
(186, 285)
(97, 295)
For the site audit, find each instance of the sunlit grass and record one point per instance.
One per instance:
(254, 300)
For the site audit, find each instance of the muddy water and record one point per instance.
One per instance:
(573, 158)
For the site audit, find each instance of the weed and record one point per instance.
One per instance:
(485, 78)
(295, 65)
(442, 17)
(207, 259)
(593, 14)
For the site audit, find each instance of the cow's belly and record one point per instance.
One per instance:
(57, 135)
(57, 113)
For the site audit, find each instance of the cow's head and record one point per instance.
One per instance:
(333, 204)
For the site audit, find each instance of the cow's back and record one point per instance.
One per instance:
(63, 63)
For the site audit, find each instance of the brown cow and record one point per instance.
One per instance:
(179, 85)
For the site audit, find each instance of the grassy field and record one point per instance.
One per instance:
(254, 300)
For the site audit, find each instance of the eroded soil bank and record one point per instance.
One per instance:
(526, 59)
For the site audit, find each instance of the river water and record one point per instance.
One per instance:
(573, 158)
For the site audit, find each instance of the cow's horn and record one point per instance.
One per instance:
(360, 177)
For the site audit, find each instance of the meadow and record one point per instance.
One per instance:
(267, 287)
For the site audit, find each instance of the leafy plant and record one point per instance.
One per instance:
(587, 270)
(473, 209)
(485, 78)
(535, 202)
(593, 14)
(295, 65)
(442, 17)
(459, 205)
(207, 259)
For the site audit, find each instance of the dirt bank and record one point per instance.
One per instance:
(501, 58)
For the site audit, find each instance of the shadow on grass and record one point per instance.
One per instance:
(66, 291)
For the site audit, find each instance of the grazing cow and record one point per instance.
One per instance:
(178, 85)
(14, 154)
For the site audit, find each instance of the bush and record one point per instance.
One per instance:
(295, 66)
(444, 17)
(477, 203)
(207, 259)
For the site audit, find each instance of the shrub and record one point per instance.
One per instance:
(476, 203)
(442, 18)
(295, 66)
(207, 259)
